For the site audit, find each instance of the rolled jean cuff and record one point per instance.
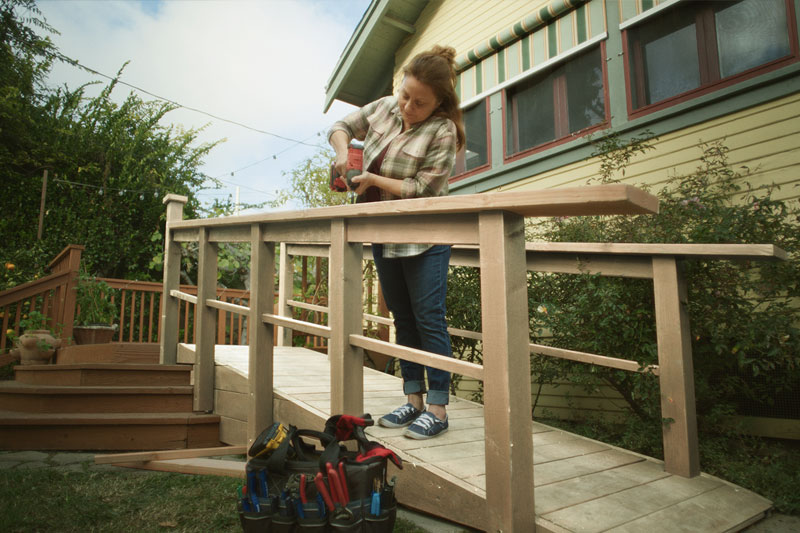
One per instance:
(438, 397)
(413, 387)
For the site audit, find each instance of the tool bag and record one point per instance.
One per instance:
(300, 480)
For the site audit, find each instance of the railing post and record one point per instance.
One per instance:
(260, 335)
(344, 319)
(64, 297)
(205, 320)
(676, 370)
(507, 376)
(172, 270)
(285, 293)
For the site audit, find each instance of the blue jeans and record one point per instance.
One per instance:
(415, 289)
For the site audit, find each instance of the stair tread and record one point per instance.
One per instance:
(20, 418)
(104, 366)
(26, 388)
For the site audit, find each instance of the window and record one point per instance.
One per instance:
(475, 153)
(556, 103)
(699, 45)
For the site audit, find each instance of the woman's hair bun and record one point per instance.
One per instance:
(446, 52)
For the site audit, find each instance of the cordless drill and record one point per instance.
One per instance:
(355, 157)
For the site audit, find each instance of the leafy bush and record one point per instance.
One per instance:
(744, 325)
(744, 315)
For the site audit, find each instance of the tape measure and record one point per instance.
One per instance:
(269, 440)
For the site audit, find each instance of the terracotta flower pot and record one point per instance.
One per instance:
(36, 347)
(94, 334)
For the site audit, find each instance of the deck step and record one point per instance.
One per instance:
(115, 352)
(27, 398)
(107, 431)
(110, 374)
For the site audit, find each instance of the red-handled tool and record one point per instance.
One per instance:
(320, 483)
(343, 482)
(303, 498)
(336, 487)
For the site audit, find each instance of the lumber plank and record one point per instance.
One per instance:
(621, 507)
(735, 509)
(200, 466)
(167, 454)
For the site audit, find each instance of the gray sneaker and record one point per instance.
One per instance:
(426, 426)
(400, 417)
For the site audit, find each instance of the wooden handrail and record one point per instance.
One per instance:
(494, 224)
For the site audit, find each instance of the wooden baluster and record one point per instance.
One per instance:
(676, 370)
(344, 318)
(506, 362)
(205, 318)
(170, 309)
(285, 293)
(260, 335)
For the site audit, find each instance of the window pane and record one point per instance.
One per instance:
(565, 100)
(530, 117)
(475, 126)
(751, 33)
(663, 58)
(585, 95)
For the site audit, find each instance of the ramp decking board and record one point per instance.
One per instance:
(580, 484)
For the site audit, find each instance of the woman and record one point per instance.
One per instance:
(410, 143)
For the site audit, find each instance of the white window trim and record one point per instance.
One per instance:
(653, 11)
(538, 68)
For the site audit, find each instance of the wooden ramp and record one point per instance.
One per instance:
(581, 485)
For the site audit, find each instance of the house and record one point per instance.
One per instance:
(538, 80)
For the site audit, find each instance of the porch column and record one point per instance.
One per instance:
(344, 319)
(676, 370)
(205, 323)
(260, 335)
(507, 373)
(168, 334)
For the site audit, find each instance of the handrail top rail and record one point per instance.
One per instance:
(742, 252)
(573, 201)
(685, 250)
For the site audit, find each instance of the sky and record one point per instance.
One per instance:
(261, 63)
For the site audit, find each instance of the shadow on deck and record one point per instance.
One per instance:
(580, 484)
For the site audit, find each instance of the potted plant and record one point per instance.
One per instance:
(96, 312)
(37, 344)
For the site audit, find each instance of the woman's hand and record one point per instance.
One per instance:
(340, 163)
(362, 182)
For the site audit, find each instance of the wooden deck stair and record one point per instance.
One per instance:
(102, 406)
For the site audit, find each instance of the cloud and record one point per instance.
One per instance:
(261, 63)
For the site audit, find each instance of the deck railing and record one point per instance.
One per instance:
(493, 222)
(53, 296)
(138, 306)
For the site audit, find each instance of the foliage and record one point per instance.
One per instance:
(309, 183)
(93, 297)
(34, 320)
(109, 164)
(745, 339)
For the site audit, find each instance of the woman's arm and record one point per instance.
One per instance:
(340, 141)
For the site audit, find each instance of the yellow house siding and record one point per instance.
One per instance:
(764, 138)
(462, 25)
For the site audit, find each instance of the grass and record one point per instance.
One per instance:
(53, 500)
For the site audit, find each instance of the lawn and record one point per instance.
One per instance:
(53, 500)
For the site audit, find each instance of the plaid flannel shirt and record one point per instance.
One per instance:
(422, 156)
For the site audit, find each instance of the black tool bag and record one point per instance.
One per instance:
(308, 481)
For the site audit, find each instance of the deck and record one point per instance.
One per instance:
(581, 485)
